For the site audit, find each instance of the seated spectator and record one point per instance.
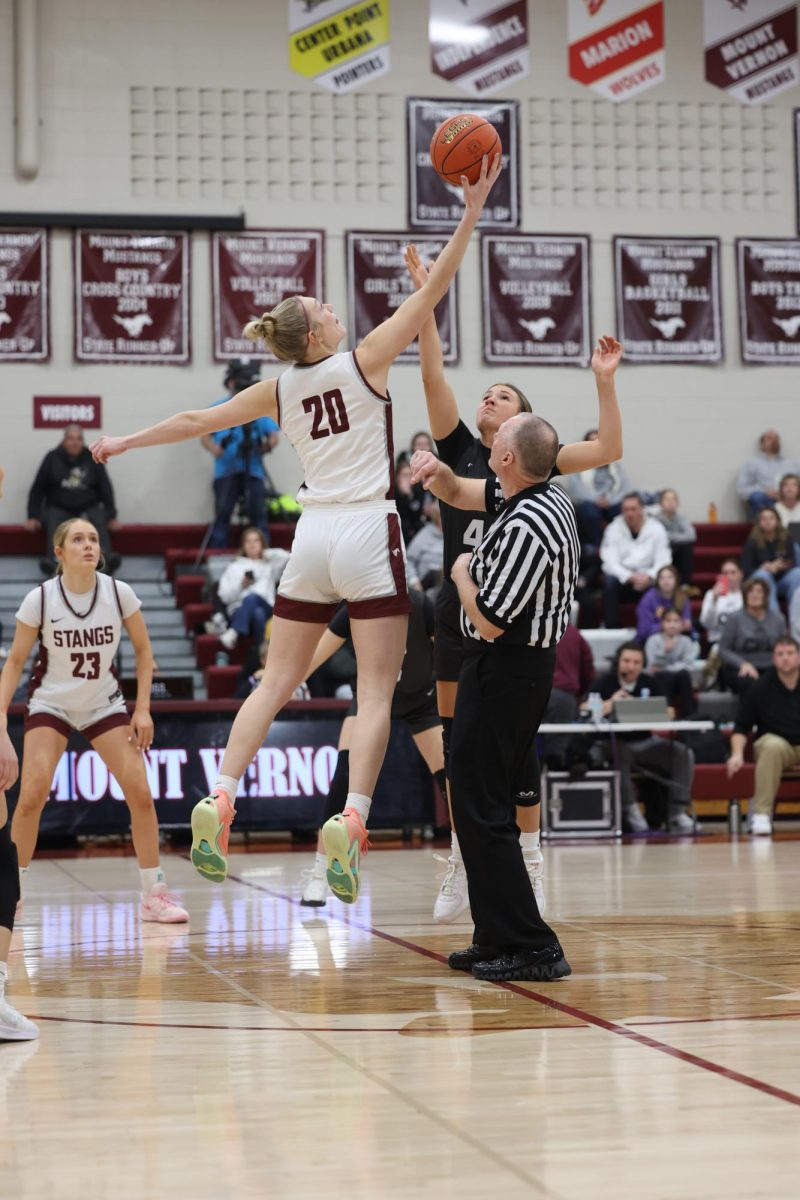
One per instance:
(773, 707)
(420, 441)
(670, 656)
(748, 637)
(247, 587)
(769, 554)
(69, 483)
(409, 498)
(425, 551)
(794, 616)
(572, 681)
(238, 454)
(633, 550)
(724, 598)
(758, 478)
(252, 671)
(666, 593)
(787, 506)
(680, 531)
(669, 759)
(597, 495)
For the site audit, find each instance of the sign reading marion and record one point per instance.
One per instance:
(768, 275)
(668, 299)
(252, 272)
(481, 46)
(751, 47)
(616, 47)
(131, 297)
(536, 301)
(24, 302)
(378, 283)
(432, 203)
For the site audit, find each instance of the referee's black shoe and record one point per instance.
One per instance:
(464, 960)
(532, 966)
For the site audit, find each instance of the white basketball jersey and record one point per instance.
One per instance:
(341, 429)
(78, 641)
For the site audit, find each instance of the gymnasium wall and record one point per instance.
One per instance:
(188, 106)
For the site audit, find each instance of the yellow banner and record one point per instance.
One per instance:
(353, 31)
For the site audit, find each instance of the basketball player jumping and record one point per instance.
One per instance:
(78, 617)
(468, 456)
(336, 411)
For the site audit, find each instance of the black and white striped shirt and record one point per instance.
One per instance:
(526, 567)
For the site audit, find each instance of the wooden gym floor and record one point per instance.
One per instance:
(276, 1051)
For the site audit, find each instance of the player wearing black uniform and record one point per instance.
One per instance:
(414, 702)
(468, 455)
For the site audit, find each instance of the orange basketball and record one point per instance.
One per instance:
(459, 144)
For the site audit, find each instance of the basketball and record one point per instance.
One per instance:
(459, 144)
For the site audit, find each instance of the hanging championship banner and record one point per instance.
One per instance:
(479, 46)
(432, 203)
(668, 299)
(751, 47)
(24, 299)
(131, 297)
(378, 283)
(769, 300)
(536, 299)
(616, 47)
(339, 46)
(251, 273)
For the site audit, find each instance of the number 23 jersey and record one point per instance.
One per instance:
(78, 640)
(341, 429)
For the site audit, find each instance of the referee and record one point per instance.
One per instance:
(516, 592)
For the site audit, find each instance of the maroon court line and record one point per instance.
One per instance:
(298, 1028)
(569, 1010)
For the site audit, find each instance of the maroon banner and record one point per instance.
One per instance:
(480, 48)
(536, 299)
(432, 203)
(24, 299)
(668, 299)
(56, 412)
(768, 274)
(378, 282)
(131, 297)
(252, 272)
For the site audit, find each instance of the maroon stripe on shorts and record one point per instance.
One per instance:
(47, 721)
(381, 606)
(389, 450)
(396, 558)
(303, 610)
(100, 727)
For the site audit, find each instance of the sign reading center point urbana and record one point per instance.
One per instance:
(339, 46)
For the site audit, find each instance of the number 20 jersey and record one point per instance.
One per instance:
(341, 429)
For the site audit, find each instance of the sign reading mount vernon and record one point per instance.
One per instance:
(131, 297)
(432, 203)
(751, 47)
(536, 299)
(668, 299)
(253, 271)
(769, 300)
(24, 302)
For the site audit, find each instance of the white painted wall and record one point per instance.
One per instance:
(103, 62)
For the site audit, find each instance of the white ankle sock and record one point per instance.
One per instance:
(229, 785)
(23, 871)
(3, 972)
(455, 849)
(529, 842)
(320, 863)
(149, 877)
(360, 804)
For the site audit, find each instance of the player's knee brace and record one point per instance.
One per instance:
(9, 878)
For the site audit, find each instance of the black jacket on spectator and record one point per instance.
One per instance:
(74, 483)
(754, 555)
(772, 708)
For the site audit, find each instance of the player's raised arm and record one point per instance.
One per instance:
(607, 446)
(439, 396)
(440, 481)
(381, 347)
(256, 401)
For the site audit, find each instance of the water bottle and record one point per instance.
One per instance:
(595, 706)
(644, 694)
(734, 817)
(712, 513)
(221, 659)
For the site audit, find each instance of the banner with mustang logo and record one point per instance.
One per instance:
(340, 46)
(616, 47)
(751, 47)
(668, 299)
(24, 300)
(479, 46)
(768, 275)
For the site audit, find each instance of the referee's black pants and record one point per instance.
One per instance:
(502, 694)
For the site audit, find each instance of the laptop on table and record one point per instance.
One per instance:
(641, 709)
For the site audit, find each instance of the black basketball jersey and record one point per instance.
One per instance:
(467, 456)
(416, 675)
